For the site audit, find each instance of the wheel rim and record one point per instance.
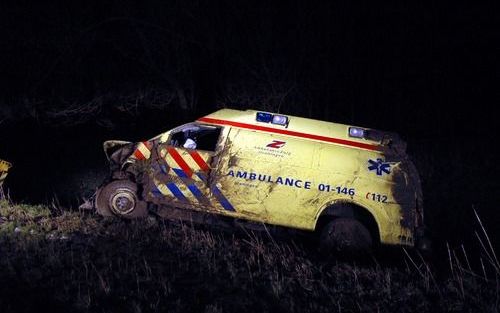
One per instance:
(123, 202)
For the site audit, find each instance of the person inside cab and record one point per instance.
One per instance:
(189, 144)
(199, 137)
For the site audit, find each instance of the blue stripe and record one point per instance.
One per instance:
(156, 192)
(196, 192)
(223, 201)
(202, 176)
(192, 187)
(218, 194)
(180, 172)
(177, 192)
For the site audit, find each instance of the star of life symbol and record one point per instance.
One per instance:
(380, 166)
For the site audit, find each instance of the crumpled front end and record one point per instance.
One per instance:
(122, 155)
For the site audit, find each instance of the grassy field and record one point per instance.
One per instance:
(58, 260)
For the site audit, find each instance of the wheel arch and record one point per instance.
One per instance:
(349, 209)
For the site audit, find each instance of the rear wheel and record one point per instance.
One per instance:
(120, 198)
(345, 236)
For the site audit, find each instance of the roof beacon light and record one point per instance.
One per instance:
(280, 120)
(264, 117)
(356, 132)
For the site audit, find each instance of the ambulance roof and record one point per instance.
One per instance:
(297, 127)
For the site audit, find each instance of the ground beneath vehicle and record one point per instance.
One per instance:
(354, 186)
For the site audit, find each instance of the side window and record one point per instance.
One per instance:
(199, 137)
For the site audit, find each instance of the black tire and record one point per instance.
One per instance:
(345, 236)
(119, 198)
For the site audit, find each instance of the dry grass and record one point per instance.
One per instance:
(54, 260)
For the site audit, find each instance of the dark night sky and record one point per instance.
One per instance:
(426, 71)
(426, 60)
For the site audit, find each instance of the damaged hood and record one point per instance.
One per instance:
(116, 150)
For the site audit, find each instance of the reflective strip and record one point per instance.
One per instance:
(173, 158)
(223, 200)
(198, 194)
(163, 189)
(180, 161)
(138, 155)
(142, 150)
(193, 165)
(292, 133)
(218, 194)
(179, 172)
(199, 160)
(176, 192)
(202, 176)
(186, 174)
(167, 159)
(156, 192)
(191, 186)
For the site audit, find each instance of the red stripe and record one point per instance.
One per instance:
(291, 133)
(178, 158)
(147, 144)
(138, 155)
(199, 160)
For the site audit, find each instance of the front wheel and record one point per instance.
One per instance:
(345, 236)
(120, 198)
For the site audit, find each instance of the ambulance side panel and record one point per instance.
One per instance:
(374, 188)
(289, 181)
(268, 177)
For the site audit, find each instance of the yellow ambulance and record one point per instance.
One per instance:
(356, 187)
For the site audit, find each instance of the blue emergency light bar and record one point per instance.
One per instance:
(265, 117)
